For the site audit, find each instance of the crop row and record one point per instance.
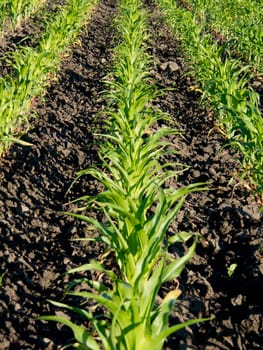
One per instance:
(16, 11)
(239, 22)
(224, 84)
(32, 69)
(137, 209)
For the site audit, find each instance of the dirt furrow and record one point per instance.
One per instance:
(35, 240)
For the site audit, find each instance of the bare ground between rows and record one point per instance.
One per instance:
(35, 240)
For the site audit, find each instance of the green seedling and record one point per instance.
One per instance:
(224, 82)
(2, 278)
(17, 11)
(231, 269)
(138, 208)
(33, 69)
(238, 23)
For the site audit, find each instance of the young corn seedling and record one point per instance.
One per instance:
(240, 23)
(33, 67)
(138, 209)
(3, 15)
(225, 87)
(17, 11)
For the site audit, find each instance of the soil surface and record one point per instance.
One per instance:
(36, 239)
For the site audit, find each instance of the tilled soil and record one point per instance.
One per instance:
(36, 246)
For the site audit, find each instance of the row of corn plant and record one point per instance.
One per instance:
(32, 68)
(137, 210)
(17, 11)
(239, 22)
(225, 85)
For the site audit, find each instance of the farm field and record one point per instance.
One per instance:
(36, 239)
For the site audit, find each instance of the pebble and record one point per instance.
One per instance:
(212, 171)
(257, 85)
(252, 211)
(17, 307)
(172, 65)
(237, 300)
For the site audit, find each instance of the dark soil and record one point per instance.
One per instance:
(36, 246)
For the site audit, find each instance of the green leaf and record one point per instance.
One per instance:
(11, 139)
(174, 269)
(159, 340)
(180, 237)
(161, 319)
(93, 266)
(80, 334)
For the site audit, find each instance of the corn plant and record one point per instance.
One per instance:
(34, 67)
(225, 85)
(138, 209)
(17, 11)
(240, 23)
(3, 15)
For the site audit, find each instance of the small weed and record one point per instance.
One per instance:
(231, 269)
